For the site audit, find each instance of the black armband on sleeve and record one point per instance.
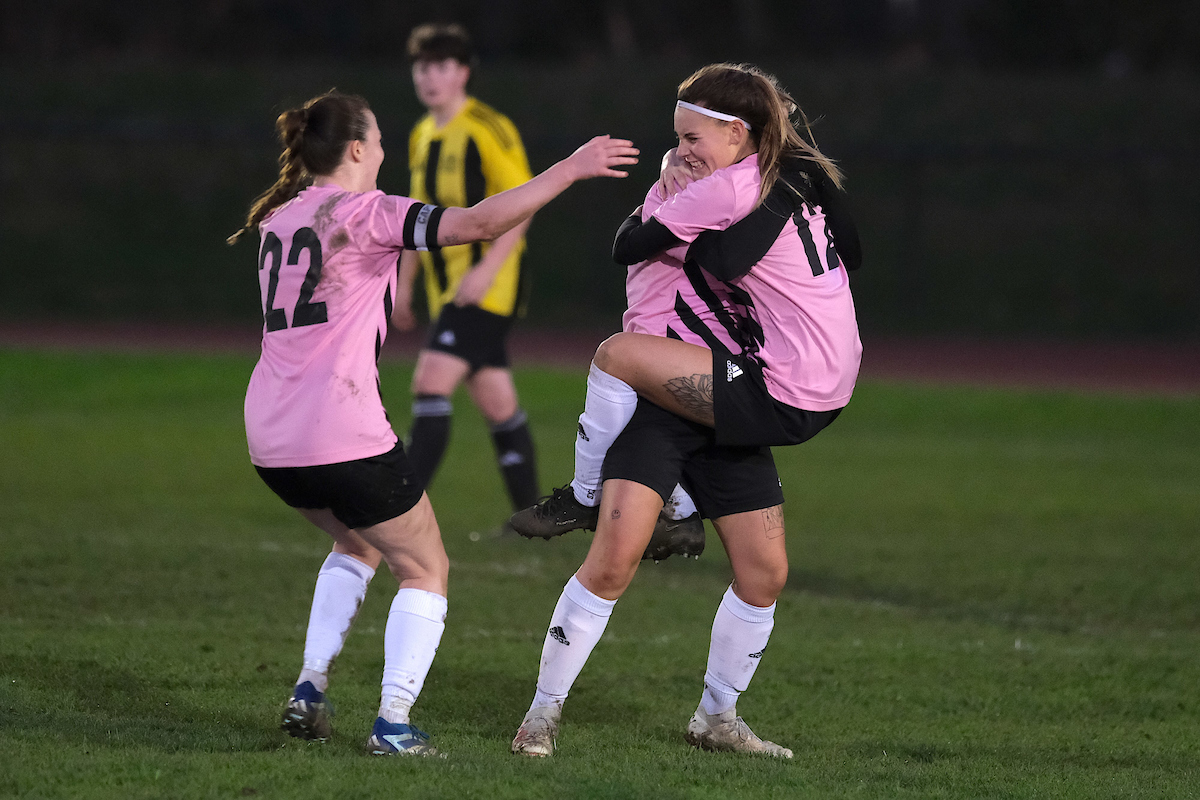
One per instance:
(421, 227)
(731, 253)
(637, 241)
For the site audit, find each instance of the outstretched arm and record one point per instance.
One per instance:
(494, 215)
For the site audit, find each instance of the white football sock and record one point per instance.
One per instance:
(341, 587)
(608, 407)
(740, 633)
(576, 626)
(681, 505)
(410, 641)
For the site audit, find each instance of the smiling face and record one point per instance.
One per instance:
(708, 144)
(441, 83)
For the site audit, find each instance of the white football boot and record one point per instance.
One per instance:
(728, 733)
(538, 734)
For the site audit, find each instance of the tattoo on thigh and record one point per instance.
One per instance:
(694, 394)
(773, 521)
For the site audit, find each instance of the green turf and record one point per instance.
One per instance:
(993, 594)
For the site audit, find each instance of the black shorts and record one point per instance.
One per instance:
(746, 414)
(360, 493)
(476, 336)
(658, 449)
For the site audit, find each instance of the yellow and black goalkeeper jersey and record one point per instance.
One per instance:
(477, 154)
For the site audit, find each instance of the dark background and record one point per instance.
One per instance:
(1016, 168)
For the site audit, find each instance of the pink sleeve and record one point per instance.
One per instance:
(653, 200)
(384, 221)
(706, 204)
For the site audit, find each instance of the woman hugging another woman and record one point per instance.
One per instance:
(743, 337)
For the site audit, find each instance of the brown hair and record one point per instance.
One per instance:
(437, 41)
(314, 138)
(757, 98)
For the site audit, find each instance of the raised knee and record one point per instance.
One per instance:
(607, 354)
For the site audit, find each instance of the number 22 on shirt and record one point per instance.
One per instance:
(305, 311)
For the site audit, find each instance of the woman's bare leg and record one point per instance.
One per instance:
(741, 630)
(340, 589)
(627, 514)
(670, 373)
(411, 545)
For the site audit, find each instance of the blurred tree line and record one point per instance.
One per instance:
(1116, 36)
(989, 203)
(1029, 167)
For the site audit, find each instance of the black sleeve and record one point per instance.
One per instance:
(637, 241)
(731, 253)
(841, 224)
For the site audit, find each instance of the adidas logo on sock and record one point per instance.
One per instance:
(759, 654)
(557, 634)
(511, 459)
(583, 435)
(446, 338)
(732, 371)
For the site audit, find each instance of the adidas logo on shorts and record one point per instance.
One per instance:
(557, 634)
(446, 338)
(583, 435)
(759, 654)
(732, 371)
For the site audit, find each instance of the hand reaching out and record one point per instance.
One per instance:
(600, 157)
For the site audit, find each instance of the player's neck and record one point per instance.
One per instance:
(442, 114)
(346, 178)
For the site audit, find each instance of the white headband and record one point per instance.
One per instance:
(708, 112)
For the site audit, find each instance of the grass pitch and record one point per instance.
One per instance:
(993, 594)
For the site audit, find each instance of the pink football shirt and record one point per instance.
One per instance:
(793, 312)
(650, 286)
(327, 275)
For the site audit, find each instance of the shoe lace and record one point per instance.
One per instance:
(558, 500)
(742, 732)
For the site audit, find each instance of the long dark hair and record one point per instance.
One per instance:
(314, 138)
(756, 97)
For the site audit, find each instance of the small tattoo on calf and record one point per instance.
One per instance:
(694, 394)
(616, 514)
(773, 522)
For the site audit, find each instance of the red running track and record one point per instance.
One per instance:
(1171, 368)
